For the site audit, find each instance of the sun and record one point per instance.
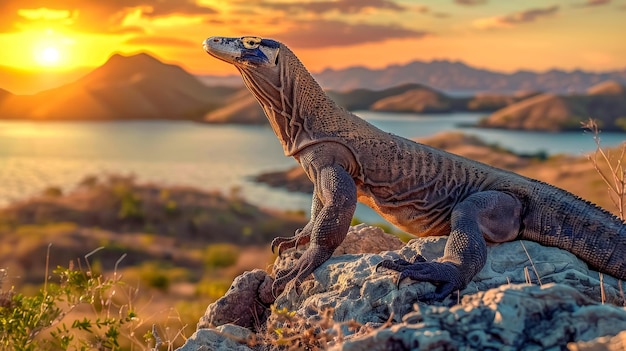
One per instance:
(48, 56)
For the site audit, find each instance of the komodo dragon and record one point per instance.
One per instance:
(420, 189)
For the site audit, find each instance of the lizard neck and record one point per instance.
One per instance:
(290, 98)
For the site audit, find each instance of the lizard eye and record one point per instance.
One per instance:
(251, 42)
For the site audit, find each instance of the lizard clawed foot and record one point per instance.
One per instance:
(284, 243)
(312, 258)
(444, 275)
(399, 264)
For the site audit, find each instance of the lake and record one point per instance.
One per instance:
(37, 155)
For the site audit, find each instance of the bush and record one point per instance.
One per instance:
(213, 289)
(38, 322)
(221, 255)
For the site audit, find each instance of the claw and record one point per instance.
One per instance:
(378, 266)
(396, 265)
(418, 258)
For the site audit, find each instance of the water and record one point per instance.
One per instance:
(37, 155)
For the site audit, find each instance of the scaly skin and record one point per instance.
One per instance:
(422, 190)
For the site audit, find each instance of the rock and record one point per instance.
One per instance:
(254, 288)
(603, 343)
(511, 317)
(527, 296)
(244, 303)
(227, 337)
(363, 238)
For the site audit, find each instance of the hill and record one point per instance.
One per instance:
(25, 82)
(125, 87)
(117, 213)
(605, 102)
(241, 107)
(454, 77)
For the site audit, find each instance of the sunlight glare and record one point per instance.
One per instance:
(49, 55)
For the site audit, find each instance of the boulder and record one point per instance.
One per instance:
(527, 296)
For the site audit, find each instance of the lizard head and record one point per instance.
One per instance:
(244, 51)
(286, 91)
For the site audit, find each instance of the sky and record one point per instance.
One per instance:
(502, 35)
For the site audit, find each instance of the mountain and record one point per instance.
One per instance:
(241, 107)
(24, 82)
(125, 87)
(454, 77)
(605, 102)
(420, 100)
(364, 99)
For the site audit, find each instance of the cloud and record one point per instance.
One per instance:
(511, 20)
(325, 33)
(160, 41)
(91, 16)
(341, 6)
(470, 2)
(593, 3)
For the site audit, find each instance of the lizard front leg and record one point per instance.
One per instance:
(337, 196)
(489, 214)
(303, 235)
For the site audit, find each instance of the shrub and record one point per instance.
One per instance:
(37, 322)
(213, 289)
(53, 191)
(221, 255)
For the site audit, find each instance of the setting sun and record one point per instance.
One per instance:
(48, 56)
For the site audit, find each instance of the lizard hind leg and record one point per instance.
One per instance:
(491, 214)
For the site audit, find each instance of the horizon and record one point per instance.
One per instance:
(493, 35)
(87, 69)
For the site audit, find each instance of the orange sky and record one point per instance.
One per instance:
(503, 35)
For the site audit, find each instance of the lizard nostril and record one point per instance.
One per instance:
(216, 40)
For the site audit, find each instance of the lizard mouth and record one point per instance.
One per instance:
(244, 51)
(222, 48)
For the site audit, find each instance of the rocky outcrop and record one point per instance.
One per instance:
(527, 297)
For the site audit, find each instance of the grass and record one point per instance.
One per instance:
(54, 318)
(611, 169)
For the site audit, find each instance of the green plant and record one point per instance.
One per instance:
(42, 321)
(213, 288)
(130, 202)
(221, 255)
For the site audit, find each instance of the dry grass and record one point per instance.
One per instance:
(610, 167)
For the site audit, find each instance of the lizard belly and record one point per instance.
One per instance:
(409, 216)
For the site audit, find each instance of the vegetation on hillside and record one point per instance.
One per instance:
(99, 266)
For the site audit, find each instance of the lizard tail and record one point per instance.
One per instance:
(588, 231)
